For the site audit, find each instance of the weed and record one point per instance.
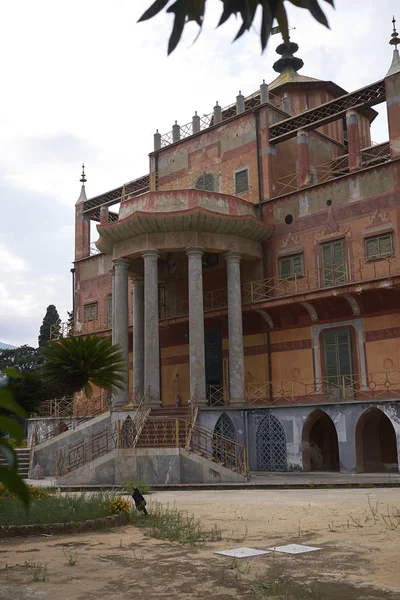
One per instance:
(55, 509)
(311, 484)
(167, 522)
(136, 483)
(72, 557)
(37, 569)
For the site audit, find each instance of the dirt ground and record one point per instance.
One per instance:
(356, 529)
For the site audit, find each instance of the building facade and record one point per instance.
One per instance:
(256, 267)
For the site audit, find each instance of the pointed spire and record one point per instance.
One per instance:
(82, 198)
(83, 177)
(394, 41)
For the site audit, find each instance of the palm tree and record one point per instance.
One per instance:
(77, 363)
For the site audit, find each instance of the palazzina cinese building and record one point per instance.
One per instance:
(254, 272)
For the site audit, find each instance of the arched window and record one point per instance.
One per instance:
(271, 445)
(205, 182)
(224, 431)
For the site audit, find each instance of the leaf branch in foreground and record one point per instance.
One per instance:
(194, 10)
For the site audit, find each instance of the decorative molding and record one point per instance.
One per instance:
(290, 240)
(382, 334)
(333, 229)
(378, 219)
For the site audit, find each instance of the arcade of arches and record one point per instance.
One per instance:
(375, 441)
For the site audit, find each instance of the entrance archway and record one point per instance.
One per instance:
(224, 431)
(271, 445)
(127, 433)
(320, 443)
(376, 445)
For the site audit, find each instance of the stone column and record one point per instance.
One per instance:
(120, 322)
(392, 86)
(112, 305)
(353, 138)
(151, 335)
(235, 327)
(138, 333)
(303, 158)
(196, 325)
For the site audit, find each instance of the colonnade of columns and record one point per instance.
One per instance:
(146, 345)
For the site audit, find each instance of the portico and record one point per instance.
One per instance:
(233, 233)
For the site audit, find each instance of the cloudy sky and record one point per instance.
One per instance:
(81, 81)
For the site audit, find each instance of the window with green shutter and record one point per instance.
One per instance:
(338, 359)
(205, 182)
(378, 247)
(291, 266)
(109, 310)
(241, 181)
(333, 263)
(90, 312)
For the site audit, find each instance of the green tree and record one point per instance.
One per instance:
(70, 322)
(28, 389)
(24, 358)
(77, 363)
(51, 318)
(194, 10)
(10, 428)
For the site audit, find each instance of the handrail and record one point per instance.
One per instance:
(220, 449)
(265, 290)
(377, 385)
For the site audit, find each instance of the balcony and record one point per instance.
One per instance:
(378, 386)
(270, 290)
(275, 288)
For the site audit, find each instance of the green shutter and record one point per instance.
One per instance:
(371, 248)
(338, 358)
(205, 182)
(333, 264)
(380, 246)
(385, 245)
(241, 181)
(298, 265)
(285, 270)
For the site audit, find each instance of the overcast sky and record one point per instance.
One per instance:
(81, 81)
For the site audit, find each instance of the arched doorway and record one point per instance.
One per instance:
(224, 431)
(376, 445)
(320, 443)
(271, 445)
(127, 433)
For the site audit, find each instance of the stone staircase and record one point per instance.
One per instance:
(23, 457)
(161, 429)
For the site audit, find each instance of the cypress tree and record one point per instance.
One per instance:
(51, 318)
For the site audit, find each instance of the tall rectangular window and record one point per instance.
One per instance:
(338, 358)
(90, 312)
(378, 247)
(333, 263)
(241, 181)
(109, 311)
(291, 266)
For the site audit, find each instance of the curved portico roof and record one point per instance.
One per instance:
(183, 211)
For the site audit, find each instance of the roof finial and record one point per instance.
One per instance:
(287, 60)
(395, 37)
(83, 177)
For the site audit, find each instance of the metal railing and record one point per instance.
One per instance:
(377, 386)
(217, 395)
(271, 288)
(376, 154)
(120, 434)
(220, 449)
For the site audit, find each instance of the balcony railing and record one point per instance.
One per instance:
(343, 388)
(263, 290)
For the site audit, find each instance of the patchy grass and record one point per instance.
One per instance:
(136, 483)
(169, 523)
(56, 508)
